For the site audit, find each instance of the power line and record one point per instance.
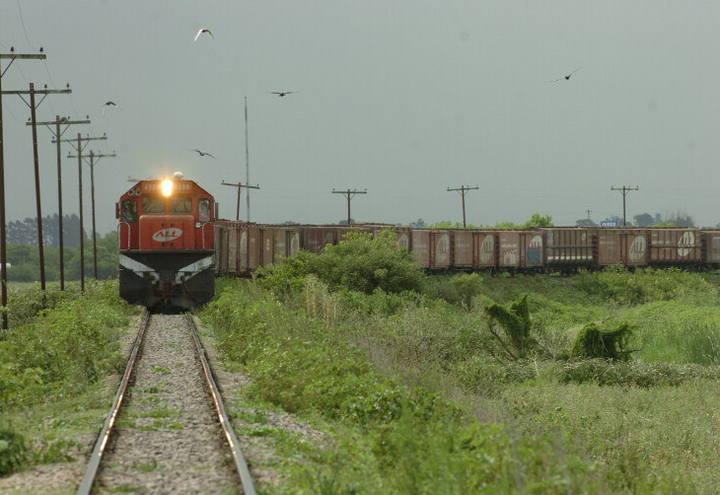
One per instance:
(12, 56)
(349, 194)
(94, 158)
(462, 190)
(625, 190)
(80, 143)
(22, 23)
(61, 125)
(239, 186)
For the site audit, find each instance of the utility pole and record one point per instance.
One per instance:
(94, 158)
(625, 190)
(32, 104)
(61, 124)
(463, 190)
(247, 167)
(588, 211)
(12, 56)
(80, 143)
(349, 194)
(239, 186)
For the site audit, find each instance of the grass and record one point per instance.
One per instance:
(348, 363)
(53, 365)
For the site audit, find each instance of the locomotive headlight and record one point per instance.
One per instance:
(167, 187)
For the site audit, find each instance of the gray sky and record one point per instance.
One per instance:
(401, 97)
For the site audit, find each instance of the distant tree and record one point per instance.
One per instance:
(290, 222)
(418, 224)
(538, 220)
(643, 220)
(585, 222)
(613, 220)
(25, 231)
(345, 222)
(680, 219)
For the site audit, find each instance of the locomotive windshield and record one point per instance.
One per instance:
(181, 204)
(153, 204)
(129, 210)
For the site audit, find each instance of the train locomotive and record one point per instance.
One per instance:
(166, 244)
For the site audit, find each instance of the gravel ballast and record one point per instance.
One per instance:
(167, 439)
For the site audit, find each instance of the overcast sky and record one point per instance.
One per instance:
(403, 97)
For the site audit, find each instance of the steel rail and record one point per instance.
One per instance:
(248, 485)
(102, 441)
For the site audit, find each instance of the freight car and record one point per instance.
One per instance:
(242, 247)
(166, 244)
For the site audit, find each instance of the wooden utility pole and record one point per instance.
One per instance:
(94, 158)
(239, 186)
(12, 56)
(80, 143)
(247, 166)
(624, 190)
(32, 104)
(60, 124)
(349, 194)
(463, 190)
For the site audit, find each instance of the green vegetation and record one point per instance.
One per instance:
(535, 221)
(358, 263)
(25, 261)
(52, 362)
(609, 385)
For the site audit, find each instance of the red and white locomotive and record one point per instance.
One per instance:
(166, 234)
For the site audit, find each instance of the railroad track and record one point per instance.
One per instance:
(145, 445)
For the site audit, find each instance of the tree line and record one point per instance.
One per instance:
(24, 260)
(677, 219)
(24, 232)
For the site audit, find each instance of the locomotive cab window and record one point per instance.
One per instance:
(204, 210)
(128, 210)
(181, 204)
(153, 204)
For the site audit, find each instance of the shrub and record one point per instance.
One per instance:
(514, 320)
(64, 348)
(459, 289)
(13, 451)
(637, 373)
(643, 285)
(593, 342)
(358, 262)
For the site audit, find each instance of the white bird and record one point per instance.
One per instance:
(282, 94)
(203, 31)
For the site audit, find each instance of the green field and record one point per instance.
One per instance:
(418, 396)
(413, 383)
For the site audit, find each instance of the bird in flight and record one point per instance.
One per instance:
(202, 153)
(203, 31)
(566, 76)
(282, 94)
(109, 104)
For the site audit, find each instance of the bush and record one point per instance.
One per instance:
(459, 289)
(592, 342)
(514, 320)
(13, 451)
(604, 372)
(64, 349)
(643, 285)
(359, 262)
